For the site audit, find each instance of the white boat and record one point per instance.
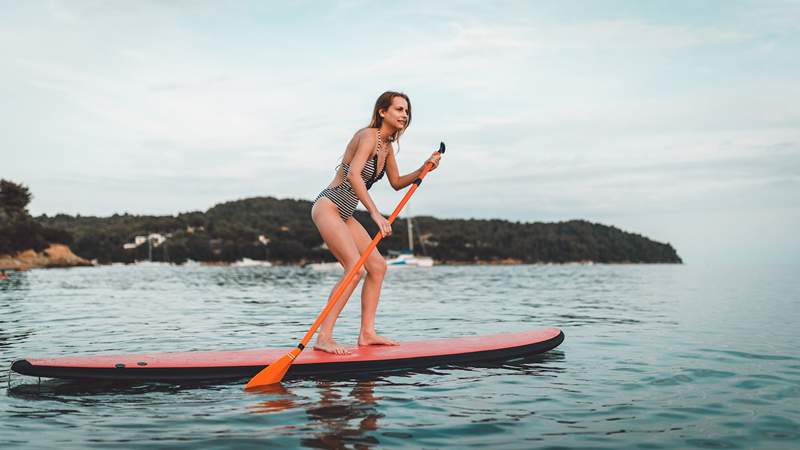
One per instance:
(247, 262)
(151, 264)
(408, 258)
(324, 266)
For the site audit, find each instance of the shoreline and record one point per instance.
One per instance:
(60, 256)
(274, 264)
(54, 256)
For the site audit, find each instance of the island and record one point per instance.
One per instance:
(280, 231)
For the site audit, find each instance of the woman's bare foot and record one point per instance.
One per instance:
(327, 344)
(374, 338)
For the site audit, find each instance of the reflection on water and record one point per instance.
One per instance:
(343, 419)
(278, 399)
(655, 357)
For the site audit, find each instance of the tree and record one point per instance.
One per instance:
(14, 198)
(18, 230)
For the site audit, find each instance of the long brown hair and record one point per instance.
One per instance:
(383, 103)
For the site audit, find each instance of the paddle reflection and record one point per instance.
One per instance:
(342, 419)
(285, 399)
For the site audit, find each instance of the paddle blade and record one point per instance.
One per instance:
(274, 372)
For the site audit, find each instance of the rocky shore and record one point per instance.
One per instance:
(56, 255)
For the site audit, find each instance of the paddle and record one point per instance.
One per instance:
(274, 372)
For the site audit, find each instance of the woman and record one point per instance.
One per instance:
(367, 157)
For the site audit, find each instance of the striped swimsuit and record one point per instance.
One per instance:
(343, 195)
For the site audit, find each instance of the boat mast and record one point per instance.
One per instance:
(410, 233)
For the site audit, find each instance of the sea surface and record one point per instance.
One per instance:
(655, 357)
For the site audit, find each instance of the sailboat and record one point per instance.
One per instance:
(408, 258)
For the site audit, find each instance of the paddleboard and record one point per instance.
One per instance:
(246, 363)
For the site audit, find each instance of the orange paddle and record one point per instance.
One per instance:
(276, 370)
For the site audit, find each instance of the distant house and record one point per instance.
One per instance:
(155, 238)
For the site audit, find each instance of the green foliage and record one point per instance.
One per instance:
(18, 230)
(14, 198)
(229, 232)
(575, 240)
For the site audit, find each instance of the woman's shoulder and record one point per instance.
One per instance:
(366, 132)
(366, 136)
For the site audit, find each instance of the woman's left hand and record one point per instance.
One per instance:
(435, 157)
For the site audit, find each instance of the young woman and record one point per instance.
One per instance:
(367, 157)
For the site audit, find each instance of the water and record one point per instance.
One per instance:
(654, 357)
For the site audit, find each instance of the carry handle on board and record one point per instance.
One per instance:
(275, 371)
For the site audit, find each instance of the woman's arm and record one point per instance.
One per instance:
(398, 181)
(366, 143)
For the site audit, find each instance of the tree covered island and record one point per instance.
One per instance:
(281, 231)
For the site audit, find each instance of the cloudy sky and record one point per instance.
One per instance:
(677, 120)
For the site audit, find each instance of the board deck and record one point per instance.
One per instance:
(246, 363)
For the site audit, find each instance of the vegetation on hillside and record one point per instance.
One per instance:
(18, 230)
(230, 231)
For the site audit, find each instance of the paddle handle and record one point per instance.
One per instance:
(352, 273)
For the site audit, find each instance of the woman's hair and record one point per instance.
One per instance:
(383, 103)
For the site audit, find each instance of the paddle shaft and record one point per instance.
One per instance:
(352, 273)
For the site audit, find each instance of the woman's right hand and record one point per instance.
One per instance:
(383, 225)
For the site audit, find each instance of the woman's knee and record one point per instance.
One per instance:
(377, 268)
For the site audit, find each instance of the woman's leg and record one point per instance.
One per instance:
(371, 292)
(337, 237)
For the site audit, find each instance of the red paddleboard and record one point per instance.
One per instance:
(246, 363)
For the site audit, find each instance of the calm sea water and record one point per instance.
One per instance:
(654, 357)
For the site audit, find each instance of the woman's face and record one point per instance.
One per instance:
(397, 114)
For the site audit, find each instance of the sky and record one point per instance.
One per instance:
(677, 120)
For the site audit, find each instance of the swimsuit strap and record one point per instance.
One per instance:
(375, 175)
(378, 148)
